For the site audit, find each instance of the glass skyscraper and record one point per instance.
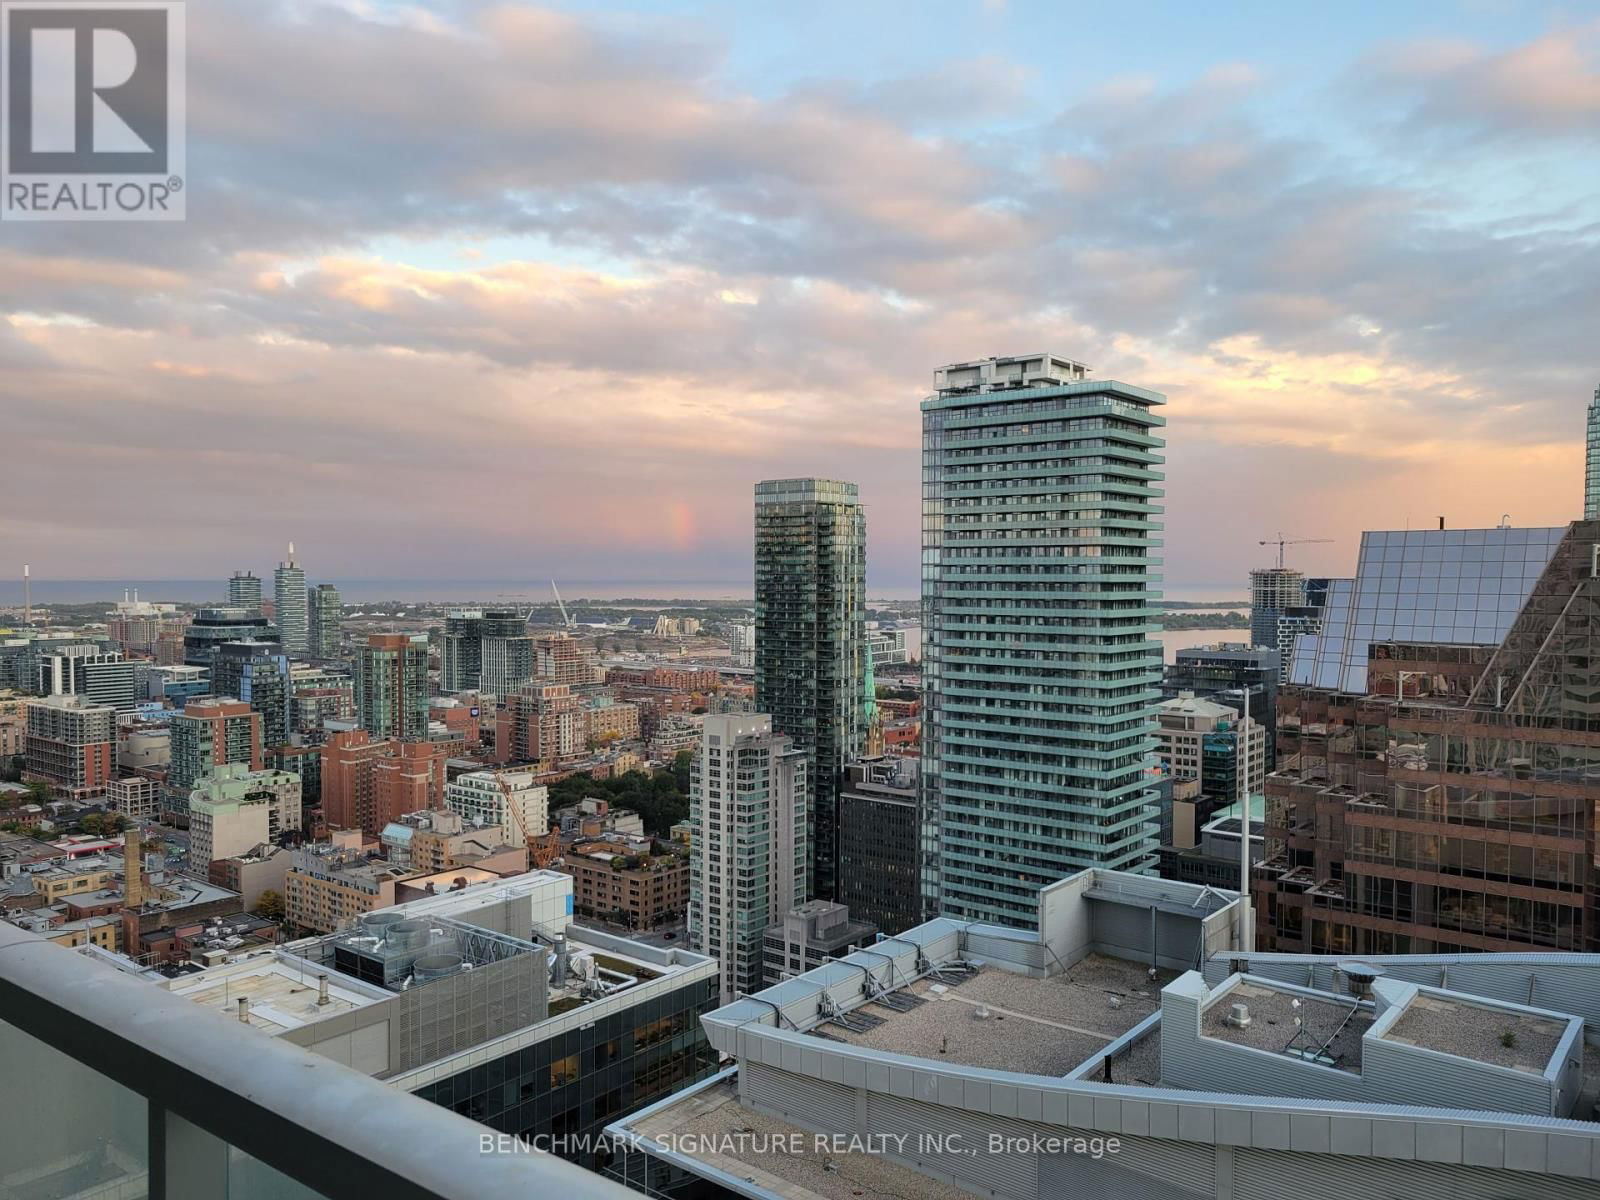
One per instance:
(1591, 465)
(325, 621)
(811, 638)
(290, 605)
(1040, 602)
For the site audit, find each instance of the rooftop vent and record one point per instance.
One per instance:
(1239, 1016)
(1360, 974)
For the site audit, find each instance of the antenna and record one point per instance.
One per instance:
(27, 596)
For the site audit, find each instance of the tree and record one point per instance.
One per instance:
(38, 791)
(270, 906)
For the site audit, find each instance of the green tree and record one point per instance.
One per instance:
(270, 906)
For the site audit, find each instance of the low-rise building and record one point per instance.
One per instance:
(262, 868)
(620, 881)
(329, 886)
(439, 839)
(135, 797)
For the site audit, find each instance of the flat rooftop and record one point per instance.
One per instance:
(1330, 1026)
(1502, 1037)
(1034, 1026)
(711, 1127)
(282, 995)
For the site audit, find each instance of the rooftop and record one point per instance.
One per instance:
(777, 1157)
(1004, 1021)
(282, 990)
(1327, 1031)
(1502, 1037)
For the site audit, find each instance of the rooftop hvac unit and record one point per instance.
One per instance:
(436, 966)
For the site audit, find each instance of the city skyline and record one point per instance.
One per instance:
(744, 240)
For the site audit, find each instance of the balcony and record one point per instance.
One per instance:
(124, 1092)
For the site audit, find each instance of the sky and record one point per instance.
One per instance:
(497, 290)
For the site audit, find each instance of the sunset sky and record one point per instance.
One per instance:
(492, 290)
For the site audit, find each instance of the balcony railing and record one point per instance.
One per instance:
(124, 1091)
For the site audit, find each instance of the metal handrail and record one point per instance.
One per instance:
(335, 1130)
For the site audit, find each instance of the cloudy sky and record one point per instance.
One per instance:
(492, 290)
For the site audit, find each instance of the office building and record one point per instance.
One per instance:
(100, 677)
(1040, 600)
(1438, 586)
(70, 745)
(244, 590)
(814, 933)
(289, 606)
(212, 627)
(258, 674)
(325, 622)
(1225, 673)
(1125, 1050)
(436, 995)
(170, 684)
(228, 1111)
(233, 809)
(1208, 853)
(749, 857)
(1591, 463)
(811, 639)
(880, 838)
(392, 685)
(205, 735)
(1307, 618)
(1200, 739)
(1448, 802)
(1273, 591)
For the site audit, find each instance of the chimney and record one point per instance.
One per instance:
(132, 864)
(322, 991)
(244, 1009)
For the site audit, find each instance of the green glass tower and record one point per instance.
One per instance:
(1041, 672)
(811, 638)
(1591, 462)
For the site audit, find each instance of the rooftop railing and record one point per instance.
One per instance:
(129, 1091)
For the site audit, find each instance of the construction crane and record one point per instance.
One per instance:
(1280, 542)
(566, 620)
(543, 849)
